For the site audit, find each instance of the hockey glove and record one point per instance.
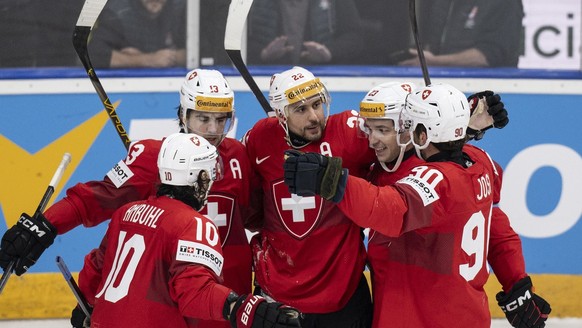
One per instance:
(254, 311)
(522, 307)
(26, 241)
(79, 319)
(308, 174)
(496, 114)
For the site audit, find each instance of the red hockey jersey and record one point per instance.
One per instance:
(309, 254)
(136, 178)
(160, 261)
(439, 217)
(504, 254)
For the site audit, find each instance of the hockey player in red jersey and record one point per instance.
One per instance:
(207, 109)
(380, 110)
(438, 226)
(160, 262)
(308, 254)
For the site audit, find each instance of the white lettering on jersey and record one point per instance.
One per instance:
(424, 181)
(297, 204)
(189, 251)
(235, 169)
(134, 151)
(119, 174)
(143, 214)
(325, 149)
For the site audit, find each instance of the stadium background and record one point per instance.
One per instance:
(47, 112)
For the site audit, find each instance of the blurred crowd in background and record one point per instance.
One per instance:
(153, 33)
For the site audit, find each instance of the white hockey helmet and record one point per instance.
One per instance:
(184, 157)
(207, 91)
(441, 108)
(293, 86)
(385, 102)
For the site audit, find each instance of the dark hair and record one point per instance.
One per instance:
(185, 194)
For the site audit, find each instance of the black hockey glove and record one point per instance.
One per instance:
(522, 307)
(79, 319)
(495, 109)
(254, 311)
(308, 174)
(26, 241)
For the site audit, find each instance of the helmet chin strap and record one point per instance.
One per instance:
(296, 141)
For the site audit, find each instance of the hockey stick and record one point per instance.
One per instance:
(43, 202)
(414, 26)
(74, 287)
(235, 22)
(87, 17)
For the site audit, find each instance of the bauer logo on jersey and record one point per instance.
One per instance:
(189, 251)
(423, 188)
(299, 215)
(119, 174)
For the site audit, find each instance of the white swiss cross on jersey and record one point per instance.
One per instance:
(219, 209)
(299, 215)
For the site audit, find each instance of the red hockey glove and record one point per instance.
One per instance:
(308, 174)
(25, 242)
(497, 114)
(254, 311)
(522, 307)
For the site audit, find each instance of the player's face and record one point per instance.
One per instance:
(307, 119)
(211, 126)
(382, 138)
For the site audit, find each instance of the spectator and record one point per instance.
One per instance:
(303, 32)
(140, 33)
(385, 31)
(470, 33)
(18, 33)
(212, 25)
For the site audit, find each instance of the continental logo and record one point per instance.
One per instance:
(304, 91)
(211, 104)
(369, 109)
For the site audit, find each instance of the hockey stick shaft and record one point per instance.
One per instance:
(41, 206)
(414, 27)
(89, 13)
(74, 287)
(235, 22)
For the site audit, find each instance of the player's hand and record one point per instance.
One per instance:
(254, 311)
(309, 174)
(79, 318)
(26, 241)
(523, 308)
(315, 52)
(276, 49)
(487, 111)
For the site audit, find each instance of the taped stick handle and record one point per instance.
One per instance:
(54, 181)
